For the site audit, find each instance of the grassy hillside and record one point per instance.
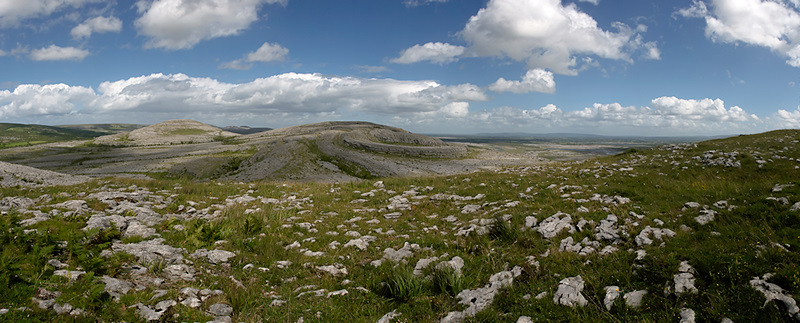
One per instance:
(105, 128)
(697, 227)
(16, 135)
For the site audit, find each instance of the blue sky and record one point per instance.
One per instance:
(608, 67)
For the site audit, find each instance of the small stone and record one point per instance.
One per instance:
(524, 319)
(569, 292)
(71, 275)
(393, 215)
(386, 318)
(687, 315)
(634, 299)
(334, 270)
(192, 302)
(337, 293)
(220, 309)
(116, 287)
(612, 293)
(62, 309)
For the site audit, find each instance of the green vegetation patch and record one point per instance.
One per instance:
(346, 166)
(18, 135)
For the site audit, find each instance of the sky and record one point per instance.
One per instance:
(607, 67)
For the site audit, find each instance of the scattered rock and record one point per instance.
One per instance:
(151, 251)
(214, 256)
(634, 299)
(400, 254)
(340, 292)
(684, 280)
(554, 224)
(478, 299)
(116, 287)
(524, 319)
(775, 292)
(136, 229)
(687, 315)
(569, 292)
(422, 264)
(705, 216)
(71, 275)
(456, 263)
(387, 318)
(335, 270)
(612, 293)
(151, 315)
(220, 309)
(643, 238)
(607, 230)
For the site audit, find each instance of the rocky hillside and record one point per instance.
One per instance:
(331, 151)
(680, 233)
(166, 133)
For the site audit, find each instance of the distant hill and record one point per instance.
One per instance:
(244, 130)
(105, 128)
(16, 135)
(167, 133)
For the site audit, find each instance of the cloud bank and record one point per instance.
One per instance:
(284, 94)
(293, 98)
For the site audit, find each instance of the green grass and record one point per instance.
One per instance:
(738, 245)
(19, 135)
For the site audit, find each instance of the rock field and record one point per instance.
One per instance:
(615, 239)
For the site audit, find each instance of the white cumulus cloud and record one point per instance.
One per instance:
(12, 12)
(664, 116)
(266, 53)
(771, 24)
(179, 24)
(536, 79)
(704, 109)
(547, 34)
(788, 119)
(56, 53)
(434, 52)
(96, 25)
(39, 100)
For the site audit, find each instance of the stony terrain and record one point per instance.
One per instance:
(330, 151)
(679, 233)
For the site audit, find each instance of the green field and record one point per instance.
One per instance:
(18, 135)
